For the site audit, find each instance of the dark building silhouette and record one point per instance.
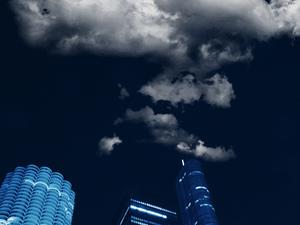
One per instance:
(193, 196)
(141, 213)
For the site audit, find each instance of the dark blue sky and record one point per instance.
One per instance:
(55, 108)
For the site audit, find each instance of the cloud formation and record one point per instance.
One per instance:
(106, 27)
(164, 128)
(198, 36)
(123, 92)
(165, 27)
(107, 144)
(206, 153)
(216, 91)
(193, 35)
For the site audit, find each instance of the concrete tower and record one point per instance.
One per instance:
(36, 196)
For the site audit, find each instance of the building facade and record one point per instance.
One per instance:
(141, 213)
(36, 196)
(193, 196)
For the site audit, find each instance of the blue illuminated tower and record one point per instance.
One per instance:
(193, 196)
(36, 196)
(141, 213)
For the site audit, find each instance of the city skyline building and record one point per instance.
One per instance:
(142, 213)
(193, 195)
(36, 196)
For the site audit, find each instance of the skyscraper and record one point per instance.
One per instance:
(141, 213)
(36, 196)
(193, 196)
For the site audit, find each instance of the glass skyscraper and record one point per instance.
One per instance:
(193, 196)
(36, 196)
(141, 213)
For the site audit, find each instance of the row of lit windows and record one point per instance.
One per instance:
(149, 212)
(144, 221)
(10, 220)
(202, 199)
(153, 206)
(138, 222)
(51, 188)
(202, 187)
(34, 195)
(196, 172)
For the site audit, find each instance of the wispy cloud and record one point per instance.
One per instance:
(107, 144)
(206, 153)
(164, 128)
(217, 90)
(123, 92)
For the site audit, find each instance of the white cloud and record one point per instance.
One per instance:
(216, 90)
(216, 53)
(107, 144)
(198, 36)
(182, 146)
(206, 153)
(115, 27)
(185, 90)
(163, 127)
(287, 16)
(123, 92)
(183, 32)
(148, 116)
(165, 130)
(252, 18)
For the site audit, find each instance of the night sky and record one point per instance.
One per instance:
(54, 109)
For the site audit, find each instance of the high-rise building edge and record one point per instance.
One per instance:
(36, 196)
(193, 196)
(137, 212)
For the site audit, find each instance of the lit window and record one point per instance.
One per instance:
(181, 179)
(148, 212)
(202, 187)
(188, 206)
(204, 197)
(138, 222)
(195, 173)
(207, 205)
(153, 206)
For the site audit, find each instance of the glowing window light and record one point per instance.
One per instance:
(143, 220)
(181, 179)
(138, 222)
(202, 187)
(188, 206)
(195, 173)
(207, 205)
(148, 212)
(49, 188)
(10, 220)
(36, 195)
(201, 199)
(153, 206)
